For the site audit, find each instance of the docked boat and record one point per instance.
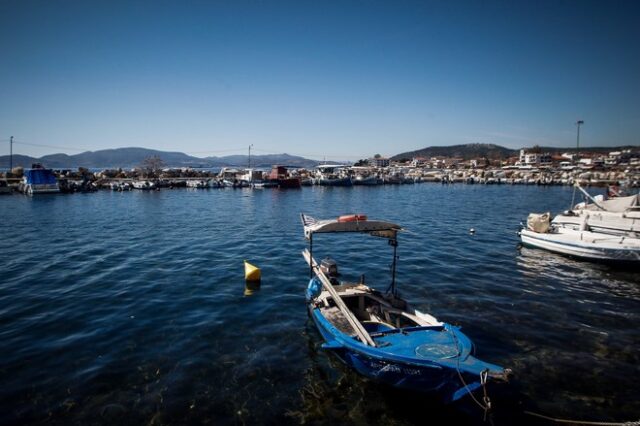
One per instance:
(367, 180)
(144, 185)
(280, 175)
(603, 230)
(379, 335)
(332, 175)
(262, 184)
(39, 180)
(5, 188)
(197, 183)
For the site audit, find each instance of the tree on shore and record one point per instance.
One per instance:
(151, 166)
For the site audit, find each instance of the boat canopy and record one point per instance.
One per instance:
(372, 227)
(40, 177)
(617, 204)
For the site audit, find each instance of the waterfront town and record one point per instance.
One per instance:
(615, 169)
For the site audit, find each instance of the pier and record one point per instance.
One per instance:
(83, 180)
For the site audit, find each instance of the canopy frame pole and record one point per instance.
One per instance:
(311, 254)
(353, 321)
(392, 288)
(589, 197)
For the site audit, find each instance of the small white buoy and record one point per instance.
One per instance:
(472, 231)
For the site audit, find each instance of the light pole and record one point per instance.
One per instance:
(573, 197)
(578, 123)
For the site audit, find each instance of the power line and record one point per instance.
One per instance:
(49, 146)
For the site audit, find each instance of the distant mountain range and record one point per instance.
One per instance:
(468, 151)
(494, 152)
(133, 157)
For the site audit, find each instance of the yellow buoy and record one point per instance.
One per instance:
(251, 272)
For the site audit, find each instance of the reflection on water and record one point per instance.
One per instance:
(584, 276)
(132, 307)
(250, 287)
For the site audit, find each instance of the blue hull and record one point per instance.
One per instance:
(412, 373)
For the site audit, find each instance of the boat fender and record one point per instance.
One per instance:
(352, 218)
(313, 289)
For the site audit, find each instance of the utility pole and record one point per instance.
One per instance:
(10, 154)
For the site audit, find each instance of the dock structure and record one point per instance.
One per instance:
(530, 169)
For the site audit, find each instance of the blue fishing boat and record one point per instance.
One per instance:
(380, 335)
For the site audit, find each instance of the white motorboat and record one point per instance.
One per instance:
(585, 244)
(616, 216)
(144, 185)
(197, 183)
(603, 230)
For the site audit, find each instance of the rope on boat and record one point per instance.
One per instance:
(486, 407)
(583, 422)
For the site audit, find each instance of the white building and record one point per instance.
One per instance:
(379, 162)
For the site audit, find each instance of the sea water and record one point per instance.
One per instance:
(131, 307)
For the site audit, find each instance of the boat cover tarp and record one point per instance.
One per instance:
(374, 227)
(538, 222)
(40, 177)
(618, 204)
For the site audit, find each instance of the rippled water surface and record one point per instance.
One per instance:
(132, 308)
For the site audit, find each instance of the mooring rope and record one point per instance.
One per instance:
(486, 407)
(583, 422)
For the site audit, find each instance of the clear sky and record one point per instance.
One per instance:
(321, 79)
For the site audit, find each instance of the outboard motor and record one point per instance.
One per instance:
(329, 267)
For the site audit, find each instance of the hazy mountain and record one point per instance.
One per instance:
(133, 157)
(263, 161)
(468, 151)
(18, 160)
(482, 150)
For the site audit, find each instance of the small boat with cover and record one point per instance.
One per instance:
(379, 335)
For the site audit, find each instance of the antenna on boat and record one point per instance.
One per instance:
(249, 166)
(11, 154)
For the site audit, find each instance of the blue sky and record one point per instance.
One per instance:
(321, 79)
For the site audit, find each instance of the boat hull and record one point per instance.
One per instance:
(442, 381)
(289, 183)
(368, 181)
(335, 182)
(585, 245)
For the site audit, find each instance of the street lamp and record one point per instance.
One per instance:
(578, 123)
(573, 197)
